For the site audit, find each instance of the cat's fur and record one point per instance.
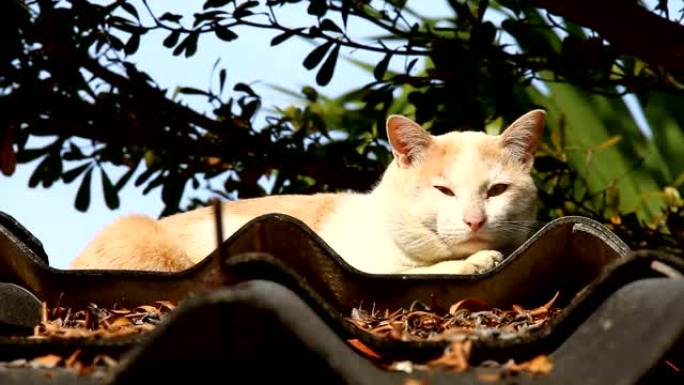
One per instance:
(439, 208)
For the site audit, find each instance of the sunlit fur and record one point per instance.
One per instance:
(403, 225)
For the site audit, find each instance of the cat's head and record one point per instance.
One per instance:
(451, 195)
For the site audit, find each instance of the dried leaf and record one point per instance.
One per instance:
(455, 356)
(468, 303)
(120, 322)
(364, 349)
(48, 361)
(147, 309)
(541, 364)
(103, 359)
(72, 360)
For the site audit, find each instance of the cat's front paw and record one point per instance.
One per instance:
(483, 260)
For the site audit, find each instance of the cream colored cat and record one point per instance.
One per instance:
(447, 204)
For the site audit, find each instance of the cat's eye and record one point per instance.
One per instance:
(445, 190)
(497, 189)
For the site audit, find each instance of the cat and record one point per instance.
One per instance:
(447, 204)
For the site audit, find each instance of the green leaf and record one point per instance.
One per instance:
(381, 68)
(83, 194)
(225, 34)
(172, 39)
(328, 68)
(72, 174)
(596, 121)
(317, 55)
(111, 194)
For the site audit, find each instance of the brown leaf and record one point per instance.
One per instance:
(473, 304)
(147, 309)
(120, 323)
(541, 364)
(48, 361)
(166, 304)
(455, 356)
(103, 359)
(73, 358)
(364, 349)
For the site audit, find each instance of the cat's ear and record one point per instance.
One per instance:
(521, 138)
(407, 138)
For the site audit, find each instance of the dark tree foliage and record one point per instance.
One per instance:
(64, 74)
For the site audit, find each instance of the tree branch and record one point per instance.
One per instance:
(629, 27)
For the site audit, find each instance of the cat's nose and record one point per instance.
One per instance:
(474, 221)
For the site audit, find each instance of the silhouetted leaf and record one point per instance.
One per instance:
(74, 153)
(111, 195)
(284, 36)
(132, 45)
(242, 87)
(345, 12)
(172, 39)
(329, 25)
(215, 3)
(168, 16)
(128, 7)
(156, 182)
(125, 25)
(222, 79)
(315, 56)
(317, 7)
(26, 155)
(142, 178)
(191, 44)
(83, 195)
(225, 34)
(125, 178)
(249, 109)
(72, 174)
(188, 45)
(192, 91)
(381, 68)
(8, 159)
(40, 173)
(242, 10)
(328, 68)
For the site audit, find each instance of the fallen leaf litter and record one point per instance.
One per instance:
(93, 322)
(99, 322)
(460, 326)
(464, 323)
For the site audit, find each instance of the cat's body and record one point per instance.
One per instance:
(446, 204)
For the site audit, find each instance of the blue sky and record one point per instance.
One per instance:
(50, 213)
